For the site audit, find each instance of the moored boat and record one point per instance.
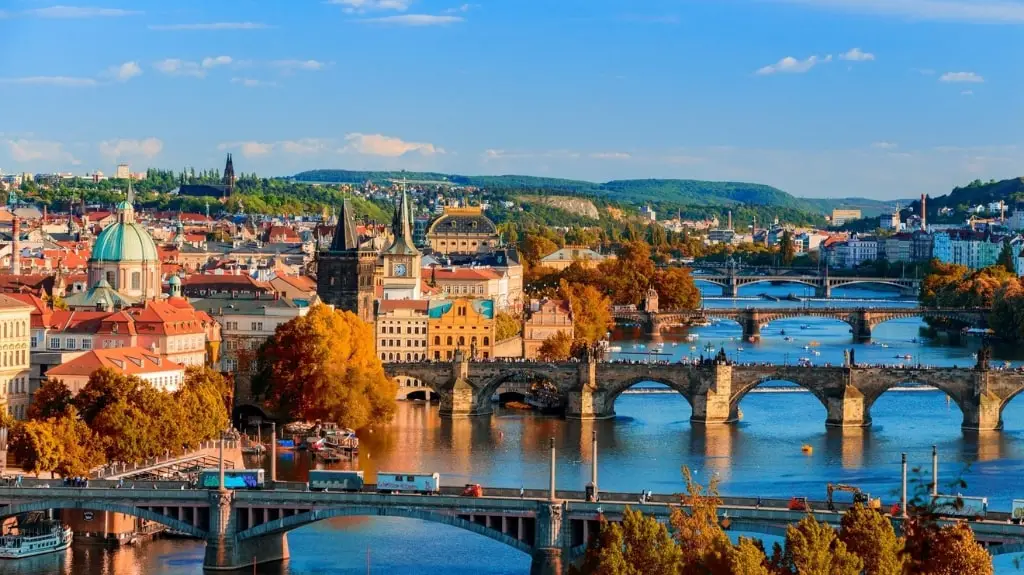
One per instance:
(35, 539)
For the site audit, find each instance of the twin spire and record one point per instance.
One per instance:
(346, 238)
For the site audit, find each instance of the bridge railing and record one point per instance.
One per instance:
(122, 468)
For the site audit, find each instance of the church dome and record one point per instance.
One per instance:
(124, 242)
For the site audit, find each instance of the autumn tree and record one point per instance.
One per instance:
(35, 447)
(202, 398)
(533, 247)
(591, 311)
(870, 536)
(557, 347)
(813, 548)
(641, 545)
(80, 449)
(506, 326)
(702, 542)
(628, 276)
(323, 366)
(1007, 316)
(676, 289)
(953, 551)
(787, 249)
(52, 399)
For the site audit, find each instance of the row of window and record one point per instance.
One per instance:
(398, 357)
(17, 411)
(14, 328)
(450, 354)
(233, 345)
(398, 330)
(398, 343)
(17, 385)
(13, 358)
(475, 289)
(253, 326)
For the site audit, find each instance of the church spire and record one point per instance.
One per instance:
(402, 229)
(345, 236)
(229, 176)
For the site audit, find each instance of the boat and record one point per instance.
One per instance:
(807, 449)
(787, 338)
(907, 357)
(35, 539)
(693, 348)
(691, 337)
(614, 348)
(804, 326)
(254, 449)
(286, 444)
(782, 332)
(701, 322)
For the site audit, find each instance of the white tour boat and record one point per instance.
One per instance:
(35, 539)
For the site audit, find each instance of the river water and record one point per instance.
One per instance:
(644, 447)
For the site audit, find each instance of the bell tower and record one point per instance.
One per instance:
(402, 261)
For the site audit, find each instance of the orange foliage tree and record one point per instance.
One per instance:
(323, 366)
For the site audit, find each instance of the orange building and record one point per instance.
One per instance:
(546, 318)
(460, 324)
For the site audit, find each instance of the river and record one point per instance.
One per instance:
(644, 447)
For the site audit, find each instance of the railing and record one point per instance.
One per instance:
(122, 468)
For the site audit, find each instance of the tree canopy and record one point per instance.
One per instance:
(323, 366)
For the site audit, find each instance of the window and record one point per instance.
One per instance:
(110, 280)
(69, 343)
(34, 342)
(136, 280)
(230, 364)
(54, 343)
(487, 340)
(437, 340)
(449, 340)
(86, 343)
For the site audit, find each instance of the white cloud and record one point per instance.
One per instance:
(884, 146)
(211, 26)
(961, 77)
(974, 11)
(379, 145)
(414, 20)
(306, 65)
(23, 151)
(360, 6)
(790, 65)
(79, 12)
(463, 8)
(124, 72)
(179, 67)
(252, 82)
(610, 156)
(967, 93)
(117, 149)
(215, 61)
(65, 81)
(856, 55)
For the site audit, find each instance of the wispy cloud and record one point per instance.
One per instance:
(961, 77)
(253, 82)
(974, 11)
(124, 72)
(884, 145)
(179, 67)
(212, 26)
(388, 146)
(119, 149)
(24, 150)
(791, 65)
(67, 81)
(361, 6)
(856, 55)
(463, 8)
(79, 12)
(611, 156)
(304, 65)
(414, 20)
(214, 61)
(300, 147)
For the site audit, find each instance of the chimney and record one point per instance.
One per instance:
(16, 247)
(730, 219)
(924, 212)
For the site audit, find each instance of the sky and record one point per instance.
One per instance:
(823, 98)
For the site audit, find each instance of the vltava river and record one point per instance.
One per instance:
(644, 447)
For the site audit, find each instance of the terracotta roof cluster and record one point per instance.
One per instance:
(127, 360)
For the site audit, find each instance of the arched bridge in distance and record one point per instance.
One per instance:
(731, 281)
(861, 320)
(244, 527)
(714, 389)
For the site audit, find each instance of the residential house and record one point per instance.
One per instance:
(546, 318)
(401, 328)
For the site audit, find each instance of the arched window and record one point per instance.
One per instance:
(383, 356)
(136, 280)
(437, 340)
(391, 357)
(487, 341)
(462, 340)
(473, 340)
(408, 357)
(449, 340)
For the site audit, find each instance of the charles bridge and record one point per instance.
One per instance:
(861, 320)
(713, 389)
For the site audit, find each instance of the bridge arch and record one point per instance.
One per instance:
(743, 281)
(299, 520)
(559, 375)
(613, 390)
(740, 391)
(838, 283)
(93, 505)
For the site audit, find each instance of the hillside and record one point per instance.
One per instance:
(668, 194)
(960, 199)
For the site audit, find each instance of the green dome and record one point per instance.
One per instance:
(124, 242)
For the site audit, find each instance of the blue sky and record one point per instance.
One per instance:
(876, 98)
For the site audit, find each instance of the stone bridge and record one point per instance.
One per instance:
(714, 390)
(246, 527)
(731, 282)
(861, 320)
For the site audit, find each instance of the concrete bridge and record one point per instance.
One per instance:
(714, 390)
(861, 320)
(242, 528)
(731, 282)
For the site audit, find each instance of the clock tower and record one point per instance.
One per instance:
(402, 273)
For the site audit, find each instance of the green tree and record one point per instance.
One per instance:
(52, 399)
(557, 347)
(507, 326)
(81, 450)
(324, 366)
(1007, 258)
(870, 536)
(787, 250)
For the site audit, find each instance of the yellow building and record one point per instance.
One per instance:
(569, 255)
(841, 216)
(15, 342)
(460, 324)
(547, 317)
(463, 231)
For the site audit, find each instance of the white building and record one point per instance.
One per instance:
(161, 373)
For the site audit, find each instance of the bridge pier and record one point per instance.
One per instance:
(983, 410)
(713, 406)
(224, 552)
(824, 290)
(750, 321)
(847, 410)
(548, 541)
(588, 402)
(463, 399)
(861, 325)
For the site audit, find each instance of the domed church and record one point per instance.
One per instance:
(124, 257)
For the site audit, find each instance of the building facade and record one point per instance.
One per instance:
(460, 324)
(463, 231)
(401, 329)
(125, 258)
(161, 373)
(15, 340)
(546, 318)
(402, 270)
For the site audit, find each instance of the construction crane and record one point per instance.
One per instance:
(859, 496)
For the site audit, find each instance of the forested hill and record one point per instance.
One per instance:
(661, 192)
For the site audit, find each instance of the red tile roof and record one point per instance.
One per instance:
(126, 360)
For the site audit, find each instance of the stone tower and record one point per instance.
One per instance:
(402, 274)
(345, 270)
(229, 176)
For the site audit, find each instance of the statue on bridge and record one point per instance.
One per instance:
(984, 356)
(721, 358)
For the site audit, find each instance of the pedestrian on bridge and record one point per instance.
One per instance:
(522, 492)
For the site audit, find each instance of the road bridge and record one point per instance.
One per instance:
(861, 320)
(714, 390)
(245, 527)
(731, 281)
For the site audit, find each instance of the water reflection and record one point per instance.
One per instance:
(850, 443)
